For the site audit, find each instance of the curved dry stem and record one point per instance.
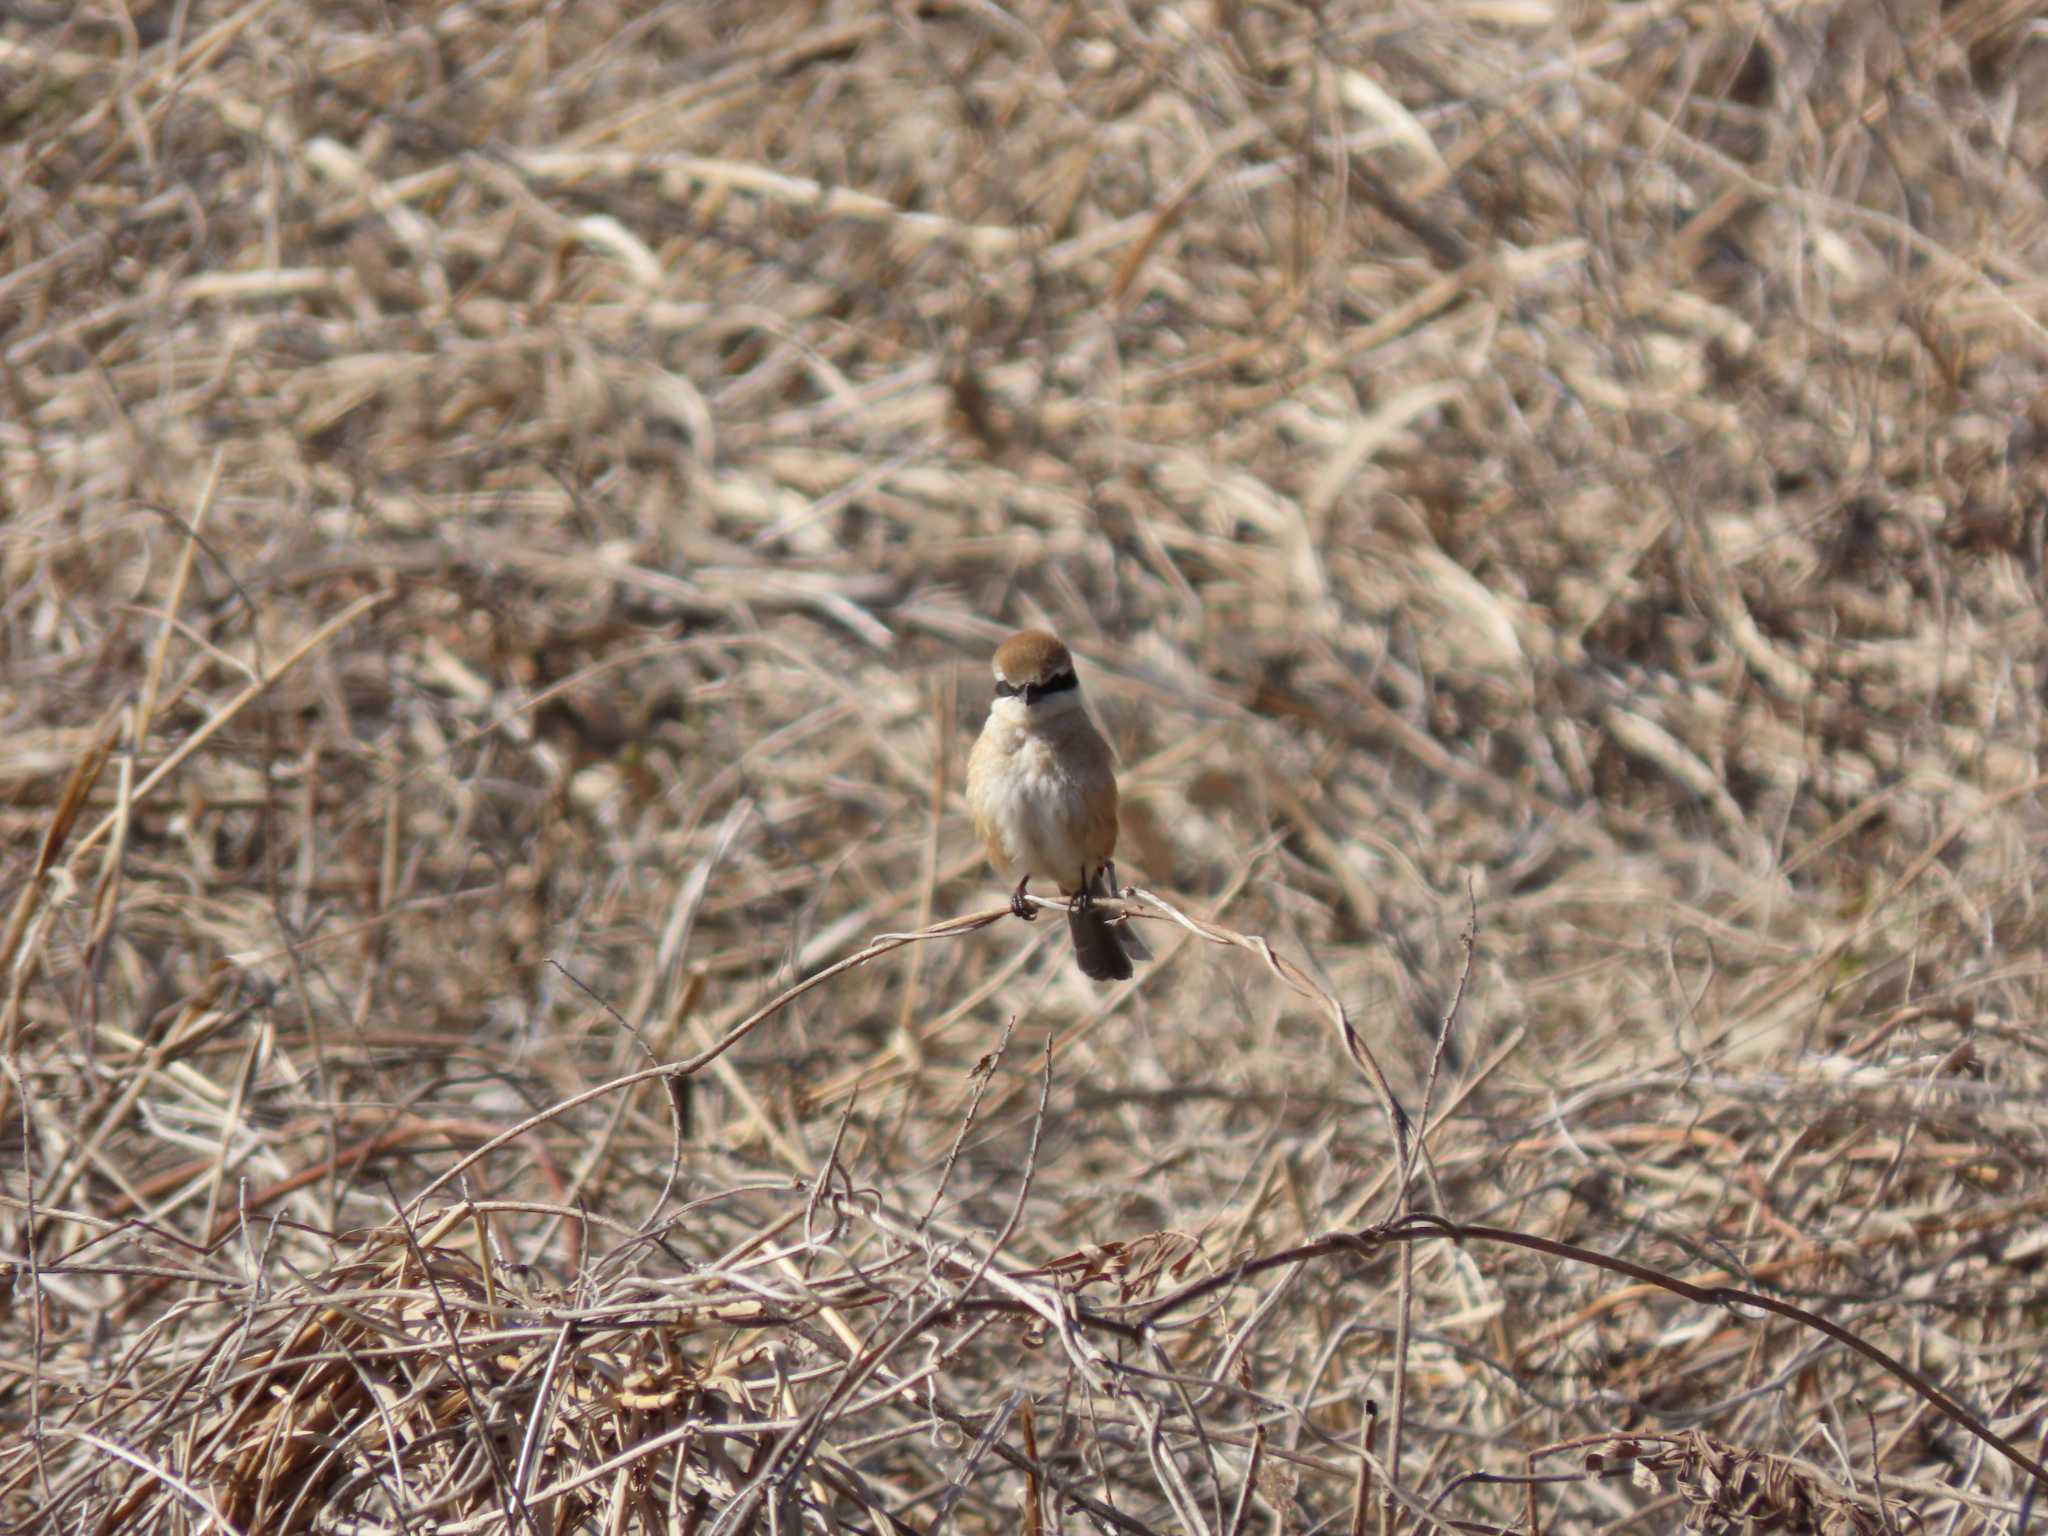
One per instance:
(1420, 1225)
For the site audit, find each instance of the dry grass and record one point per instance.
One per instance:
(505, 511)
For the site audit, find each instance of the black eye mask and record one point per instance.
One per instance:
(1031, 693)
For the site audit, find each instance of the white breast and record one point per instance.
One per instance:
(1031, 805)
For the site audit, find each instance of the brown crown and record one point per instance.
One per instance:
(1031, 656)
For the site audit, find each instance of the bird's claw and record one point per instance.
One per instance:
(1019, 907)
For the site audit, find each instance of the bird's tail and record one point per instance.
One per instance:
(1104, 950)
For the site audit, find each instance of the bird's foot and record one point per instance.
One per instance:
(1019, 906)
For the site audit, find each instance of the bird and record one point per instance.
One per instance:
(1042, 786)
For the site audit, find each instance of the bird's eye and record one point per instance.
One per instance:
(1005, 690)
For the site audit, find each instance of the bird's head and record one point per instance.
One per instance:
(1034, 677)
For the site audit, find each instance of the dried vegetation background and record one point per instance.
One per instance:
(503, 512)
